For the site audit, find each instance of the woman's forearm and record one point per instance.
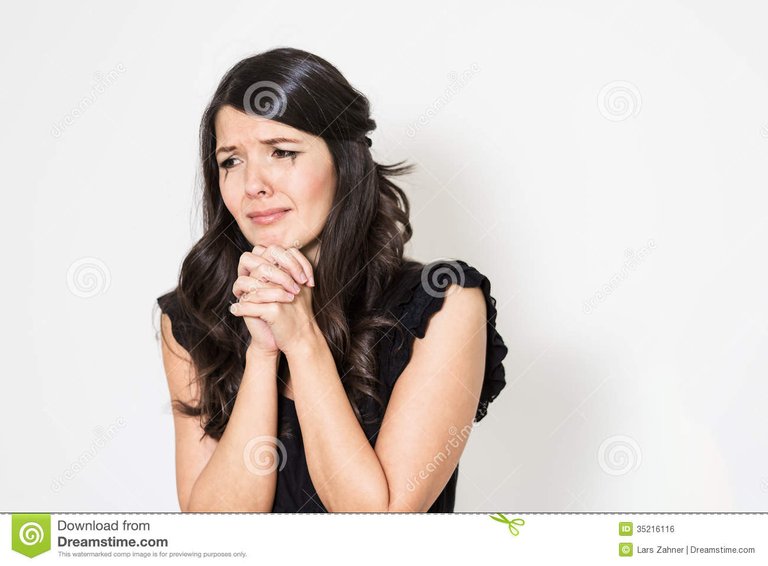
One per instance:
(344, 468)
(241, 474)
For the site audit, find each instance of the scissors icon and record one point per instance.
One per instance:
(512, 528)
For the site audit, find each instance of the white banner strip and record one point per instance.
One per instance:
(352, 538)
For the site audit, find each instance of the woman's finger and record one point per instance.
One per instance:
(270, 295)
(266, 310)
(248, 262)
(288, 261)
(261, 268)
(268, 272)
(245, 284)
(307, 266)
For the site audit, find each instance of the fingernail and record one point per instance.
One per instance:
(312, 281)
(296, 288)
(233, 308)
(303, 277)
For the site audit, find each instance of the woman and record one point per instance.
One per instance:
(295, 344)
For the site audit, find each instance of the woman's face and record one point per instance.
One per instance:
(265, 165)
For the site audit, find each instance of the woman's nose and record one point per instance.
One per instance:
(256, 181)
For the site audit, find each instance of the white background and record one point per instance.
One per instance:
(611, 154)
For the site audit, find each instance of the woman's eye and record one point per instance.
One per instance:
(227, 163)
(279, 153)
(283, 153)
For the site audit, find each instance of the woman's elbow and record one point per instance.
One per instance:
(196, 505)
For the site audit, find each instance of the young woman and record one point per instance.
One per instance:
(311, 366)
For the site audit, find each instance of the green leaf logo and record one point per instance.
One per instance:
(510, 523)
(31, 534)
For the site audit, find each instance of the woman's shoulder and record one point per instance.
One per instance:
(419, 292)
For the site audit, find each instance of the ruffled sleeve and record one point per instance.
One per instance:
(169, 304)
(424, 289)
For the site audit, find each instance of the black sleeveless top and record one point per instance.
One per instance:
(413, 298)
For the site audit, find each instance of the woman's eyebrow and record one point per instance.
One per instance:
(270, 141)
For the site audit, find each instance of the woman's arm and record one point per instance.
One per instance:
(418, 447)
(222, 476)
(193, 450)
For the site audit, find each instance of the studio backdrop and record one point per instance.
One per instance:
(604, 167)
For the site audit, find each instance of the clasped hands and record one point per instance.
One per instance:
(274, 292)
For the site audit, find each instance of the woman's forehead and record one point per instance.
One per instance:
(239, 127)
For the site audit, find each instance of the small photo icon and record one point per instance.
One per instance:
(625, 549)
(625, 529)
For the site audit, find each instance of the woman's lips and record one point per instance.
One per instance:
(270, 218)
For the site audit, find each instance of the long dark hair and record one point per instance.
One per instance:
(361, 244)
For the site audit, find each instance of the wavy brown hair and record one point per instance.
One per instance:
(361, 243)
